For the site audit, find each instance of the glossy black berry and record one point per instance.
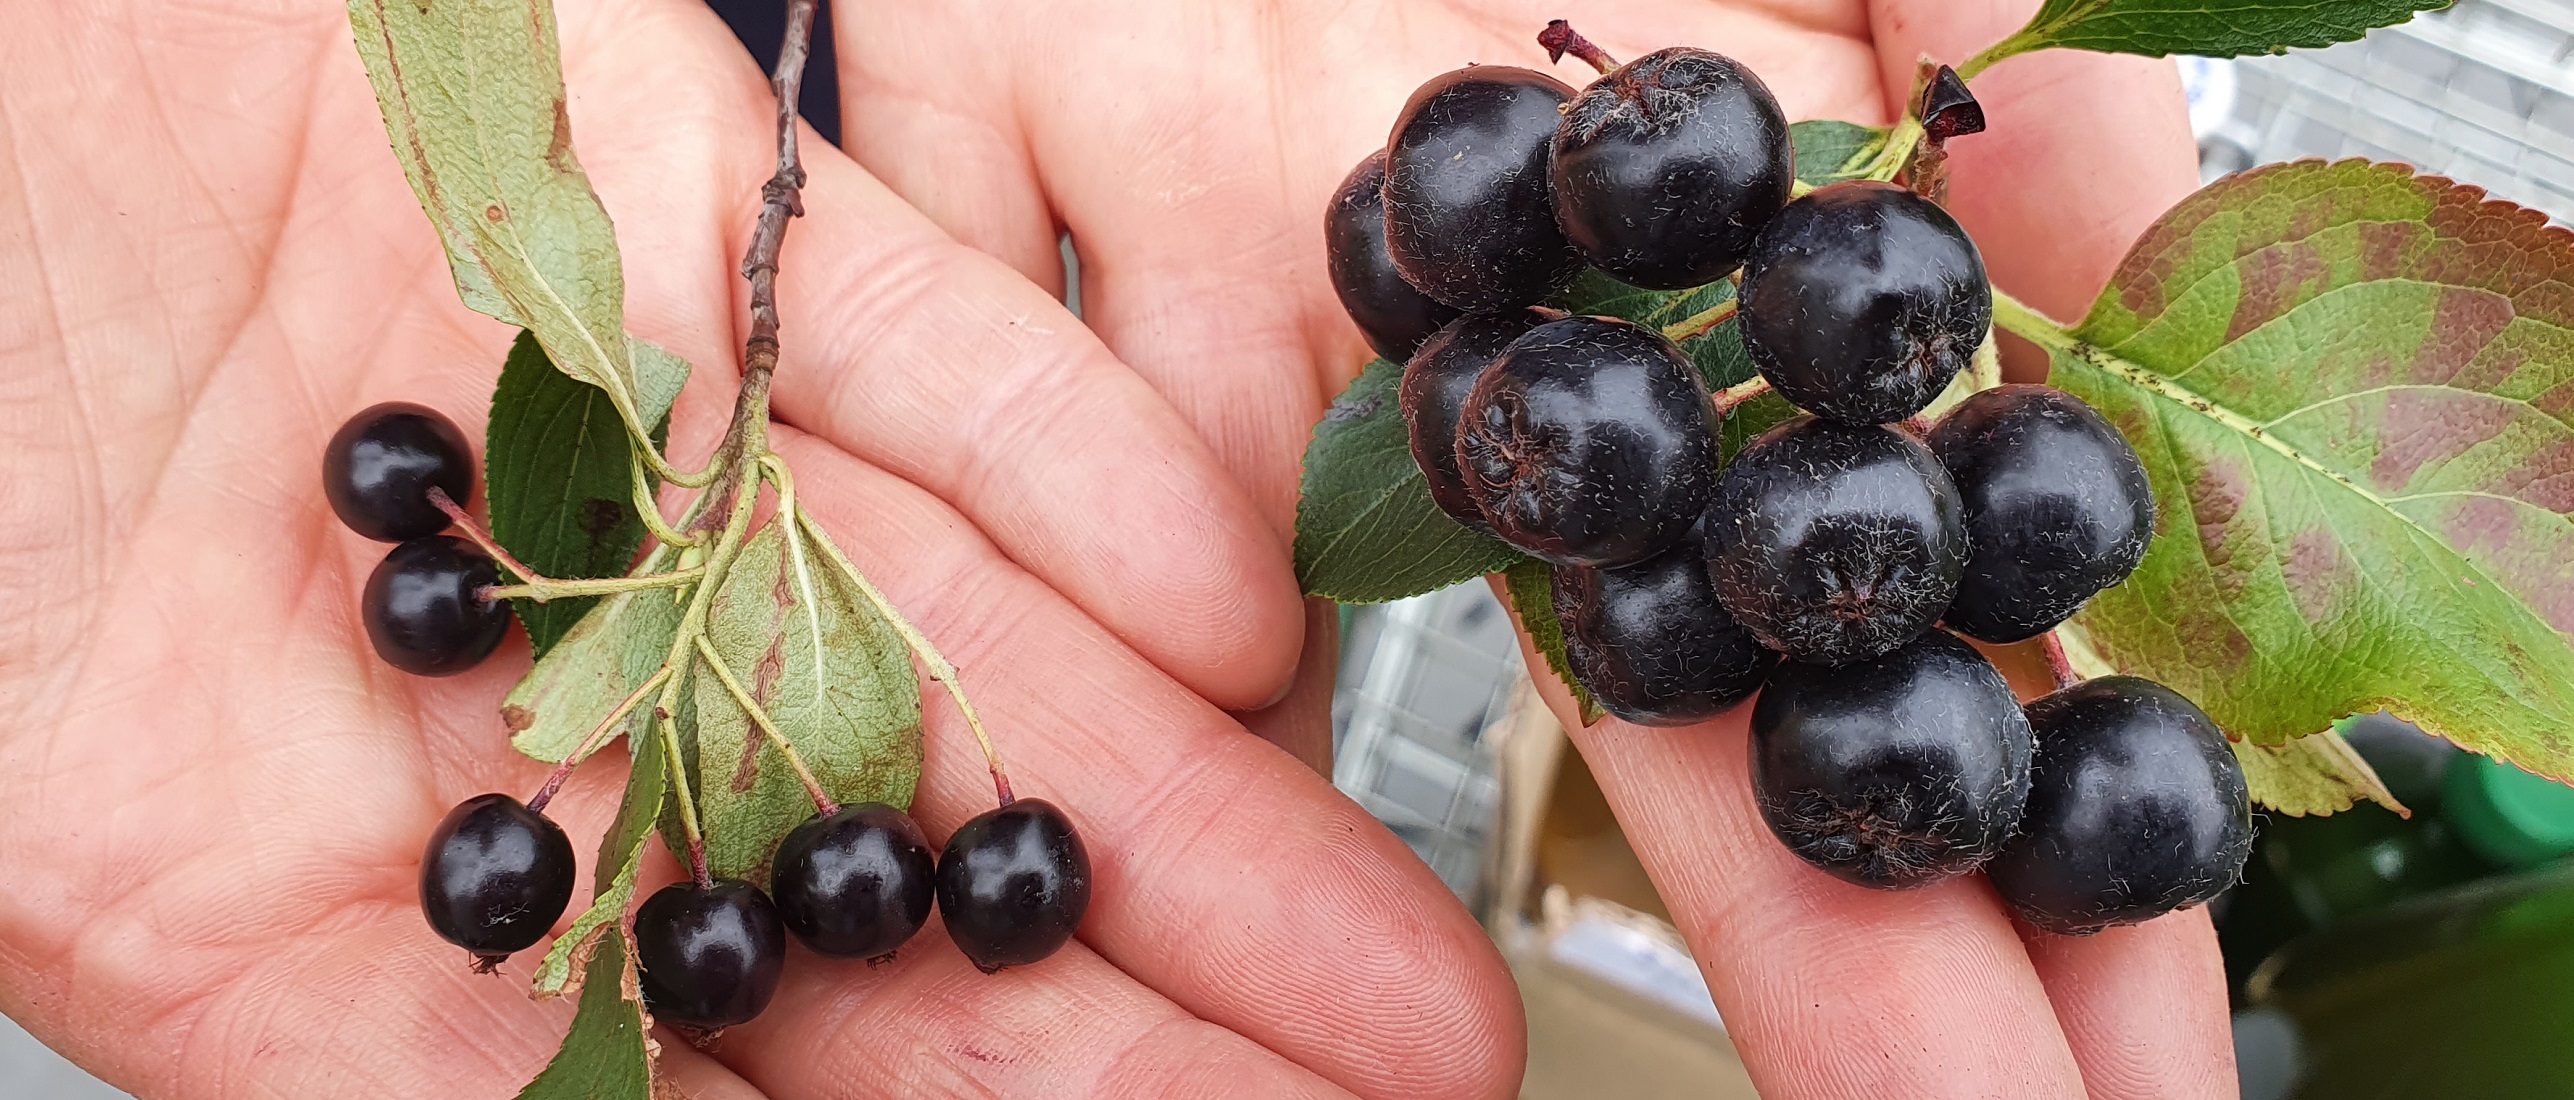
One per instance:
(1013, 884)
(1835, 542)
(854, 884)
(495, 877)
(1861, 300)
(1651, 643)
(1469, 215)
(1393, 314)
(2136, 808)
(1589, 442)
(379, 467)
(2058, 508)
(708, 956)
(421, 610)
(1896, 771)
(1665, 168)
(1435, 384)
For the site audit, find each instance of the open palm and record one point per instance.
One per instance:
(1189, 149)
(213, 798)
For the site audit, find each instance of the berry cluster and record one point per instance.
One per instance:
(1817, 567)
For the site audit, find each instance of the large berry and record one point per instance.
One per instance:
(1013, 884)
(708, 956)
(379, 468)
(1896, 771)
(1835, 542)
(1469, 216)
(1394, 315)
(1651, 643)
(1666, 168)
(1590, 442)
(422, 610)
(855, 883)
(495, 877)
(2057, 508)
(1861, 300)
(1435, 384)
(2137, 808)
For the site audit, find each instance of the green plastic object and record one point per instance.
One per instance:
(2508, 815)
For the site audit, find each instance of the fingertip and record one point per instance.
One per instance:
(2143, 1006)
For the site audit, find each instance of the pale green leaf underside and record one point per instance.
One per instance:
(605, 657)
(620, 859)
(605, 1055)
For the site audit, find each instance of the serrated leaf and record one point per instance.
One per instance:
(2353, 388)
(558, 470)
(855, 718)
(1531, 585)
(2208, 28)
(597, 665)
(606, 1055)
(2317, 774)
(1366, 530)
(612, 886)
(1830, 150)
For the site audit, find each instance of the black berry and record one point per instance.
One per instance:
(1835, 542)
(1013, 884)
(1435, 384)
(422, 611)
(1651, 643)
(2136, 808)
(1665, 168)
(1896, 771)
(709, 956)
(1861, 300)
(495, 877)
(2058, 508)
(1469, 215)
(1394, 315)
(1589, 442)
(855, 883)
(379, 467)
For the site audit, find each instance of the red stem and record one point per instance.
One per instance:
(482, 538)
(1560, 38)
(2058, 662)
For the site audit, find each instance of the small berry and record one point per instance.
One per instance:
(422, 609)
(2136, 808)
(1896, 771)
(1393, 314)
(1469, 215)
(379, 467)
(1435, 384)
(1013, 884)
(2058, 508)
(1650, 642)
(495, 878)
(1591, 441)
(709, 957)
(854, 884)
(1665, 168)
(1862, 300)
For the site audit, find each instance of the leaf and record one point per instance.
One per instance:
(472, 97)
(2317, 774)
(606, 1055)
(1829, 150)
(558, 474)
(621, 854)
(1366, 530)
(856, 720)
(1531, 584)
(2208, 28)
(2353, 388)
(594, 667)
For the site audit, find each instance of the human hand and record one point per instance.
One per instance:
(1190, 151)
(213, 798)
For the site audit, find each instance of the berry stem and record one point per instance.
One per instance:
(768, 727)
(591, 743)
(542, 591)
(1985, 370)
(1737, 395)
(650, 509)
(1702, 322)
(2059, 662)
(474, 531)
(2014, 316)
(1560, 38)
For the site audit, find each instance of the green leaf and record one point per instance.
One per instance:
(2317, 774)
(2209, 28)
(605, 1055)
(472, 97)
(1366, 530)
(558, 474)
(2353, 388)
(594, 667)
(1531, 585)
(1830, 151)
(855, 717)
(621, 854)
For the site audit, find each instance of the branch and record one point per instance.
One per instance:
(781, 198)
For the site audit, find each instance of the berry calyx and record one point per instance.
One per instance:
(1394, 315)
(1469, 216)
(1435, 384)
(495, 877)
(2136, 808)
(709, 956)
(1665, 169)
(1589, 442)
(1013, 884)
(854, 883)
(2058, 508)
(379, 467)
(424, 609)
(1650, 642)
(1896, 771)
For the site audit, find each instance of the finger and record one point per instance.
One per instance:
(2123, 993)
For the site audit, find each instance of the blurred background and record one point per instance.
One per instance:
(2370, 955)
